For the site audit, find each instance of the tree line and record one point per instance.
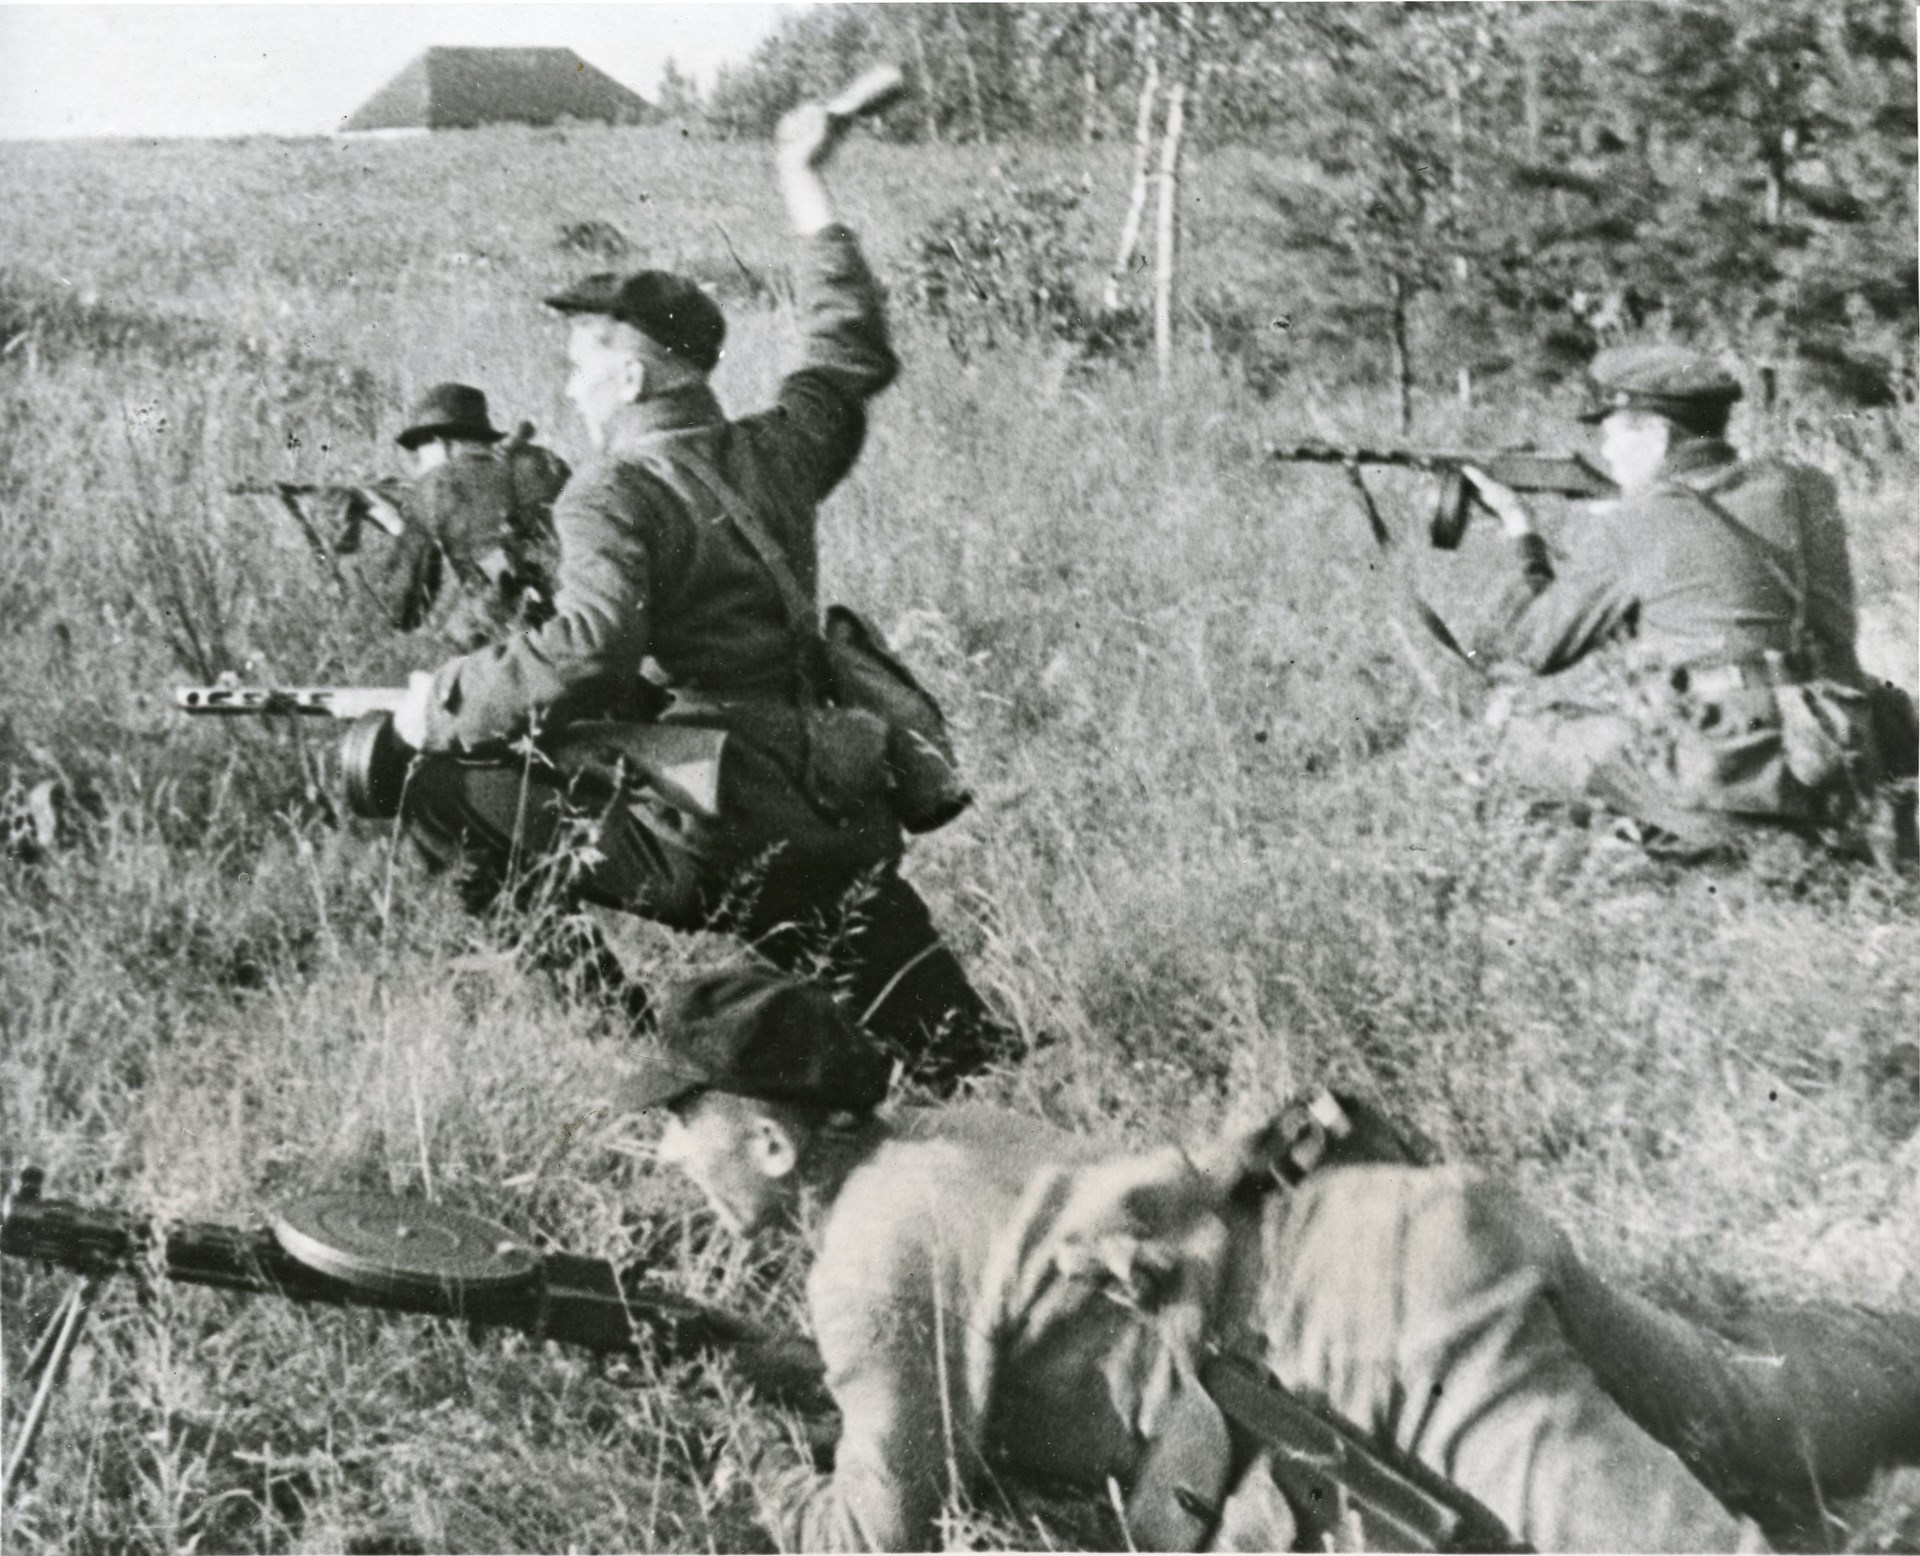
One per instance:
(1520, 182)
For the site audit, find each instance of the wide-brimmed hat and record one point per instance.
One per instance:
(449, 411)
(668, 309)
(758, 1033)
(1668, 380)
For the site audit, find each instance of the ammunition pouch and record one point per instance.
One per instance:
(1826, 735)
(1896, 730)
(1180, 1488)
(845, 665)
(846, 759)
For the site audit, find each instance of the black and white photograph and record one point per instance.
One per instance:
(918, 777)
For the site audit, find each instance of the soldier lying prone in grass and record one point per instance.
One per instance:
(986, 1286)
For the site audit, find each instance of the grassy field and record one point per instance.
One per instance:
(1226, 842)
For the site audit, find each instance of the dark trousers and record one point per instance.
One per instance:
(527, 838)
(1775, 1410)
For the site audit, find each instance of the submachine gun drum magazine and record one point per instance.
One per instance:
(373, 766)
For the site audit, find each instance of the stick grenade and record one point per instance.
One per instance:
(871, 92)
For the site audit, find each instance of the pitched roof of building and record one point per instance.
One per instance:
(457, 88)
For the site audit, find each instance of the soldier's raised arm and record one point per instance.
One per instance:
(845, 355)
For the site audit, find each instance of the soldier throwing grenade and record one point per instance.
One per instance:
(656, 563)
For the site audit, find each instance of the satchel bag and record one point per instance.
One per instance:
(927, 790)
(849, 669)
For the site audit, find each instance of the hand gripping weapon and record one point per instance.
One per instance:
(1569, 475)
(681, 762)
(404, 1256)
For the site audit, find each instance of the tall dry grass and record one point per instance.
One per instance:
(1226, 844)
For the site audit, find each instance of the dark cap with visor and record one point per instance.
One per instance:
(668, 309)
(755, 1032)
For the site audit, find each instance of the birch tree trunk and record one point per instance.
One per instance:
(1089, 80)
(928, 94)
(1530, 100)
(1456, 200)
(1142, 161)
(969, 74)
(1030, 49)
(1398, 290)
(1167, 233)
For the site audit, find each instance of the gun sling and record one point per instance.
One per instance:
(1326, 1467)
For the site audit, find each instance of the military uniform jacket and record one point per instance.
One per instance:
(986, 1287)
(1720, 594)
(1706, 567)
(477, 556)
(651, 568)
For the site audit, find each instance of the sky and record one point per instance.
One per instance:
(246, 69)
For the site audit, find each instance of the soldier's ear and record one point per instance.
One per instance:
(633, 377)
(774, 1150)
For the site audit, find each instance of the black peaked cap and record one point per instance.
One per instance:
(668, 309)
(756, 1032)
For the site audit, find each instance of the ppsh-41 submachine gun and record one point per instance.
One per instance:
(1525, 470)
(403, 1256)
(681, 762)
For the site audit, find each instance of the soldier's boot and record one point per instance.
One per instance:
(573, 951)
(909, 990)
(885, 959)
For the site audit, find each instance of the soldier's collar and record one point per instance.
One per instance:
(678, 410)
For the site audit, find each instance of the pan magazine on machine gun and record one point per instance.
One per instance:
(1525, 470)
(680, 762)
(403, 1256)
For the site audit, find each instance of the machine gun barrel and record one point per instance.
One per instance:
(386, 488)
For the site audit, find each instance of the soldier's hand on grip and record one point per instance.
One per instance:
(1502, 499)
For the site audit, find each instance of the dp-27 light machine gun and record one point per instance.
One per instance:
(680, 762)
(410, 1256)
(405, 1256)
